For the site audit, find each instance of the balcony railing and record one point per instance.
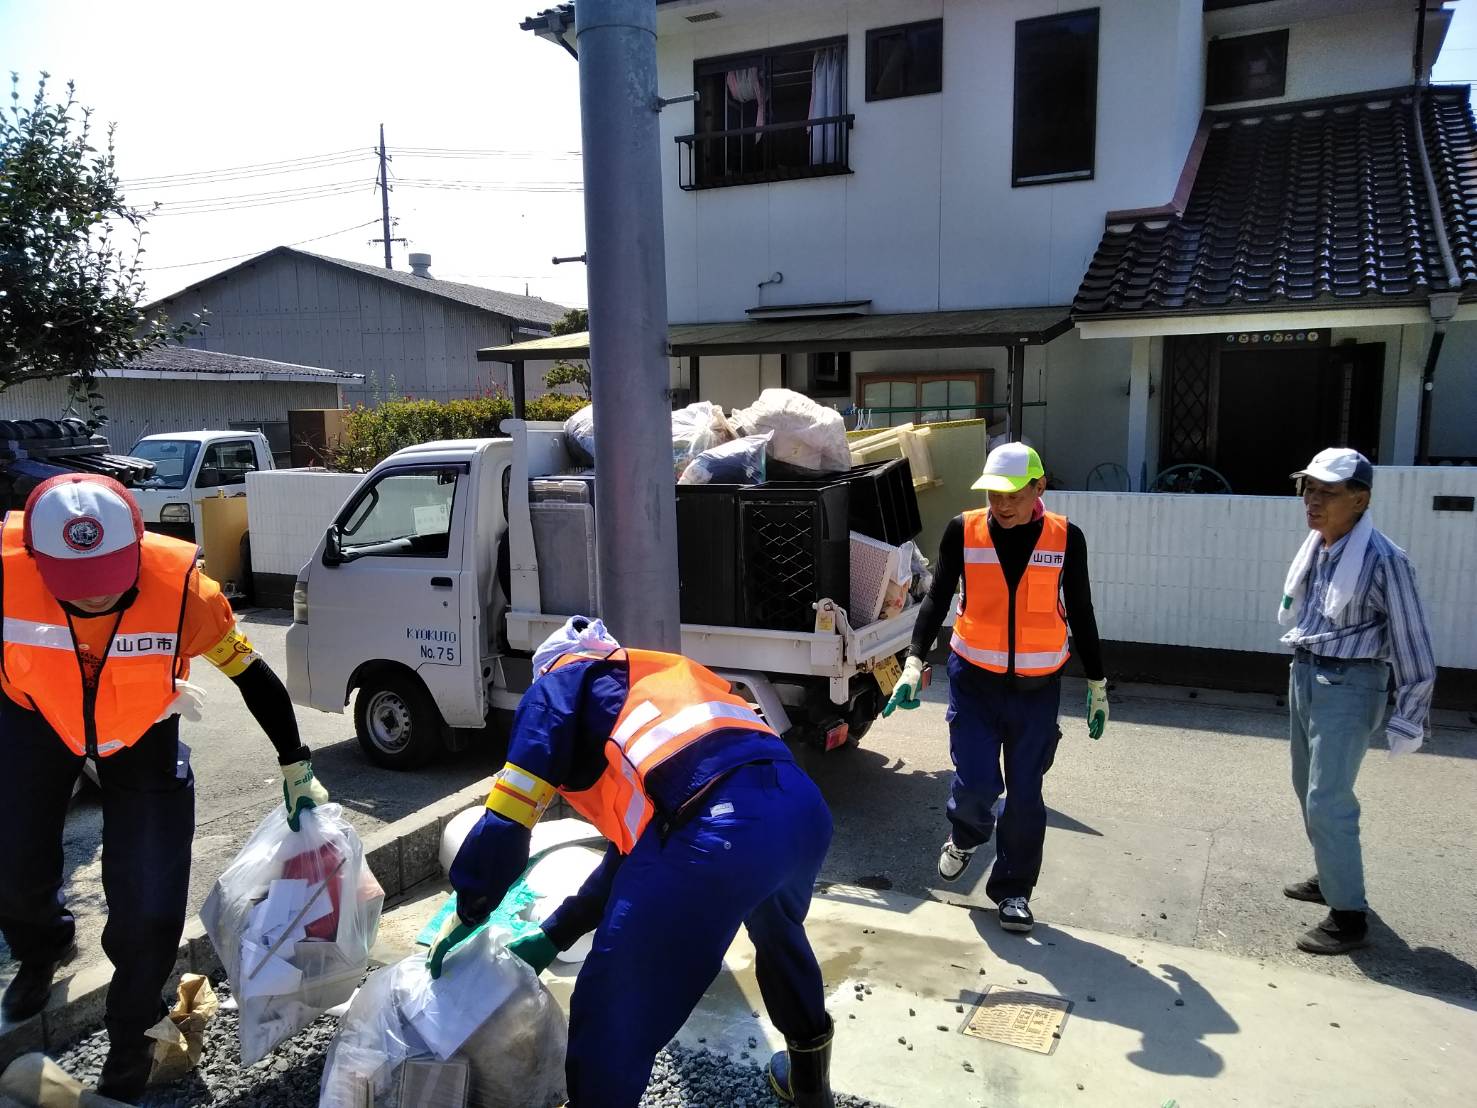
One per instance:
(775, 152)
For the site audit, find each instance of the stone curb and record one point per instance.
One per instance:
(400, 855)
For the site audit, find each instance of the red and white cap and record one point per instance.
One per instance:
(84, 531)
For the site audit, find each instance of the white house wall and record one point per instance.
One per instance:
(138, 407)
(1207, 571)
(1085, 421)
(295, 309)
(1454, 399)
(928, 219)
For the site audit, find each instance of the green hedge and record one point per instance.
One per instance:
(373, 434)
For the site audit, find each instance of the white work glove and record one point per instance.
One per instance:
(905, 692)
(1097, 708)
(188, 702)
(1403, 744)
(300, 791)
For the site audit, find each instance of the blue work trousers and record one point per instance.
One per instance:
(749, 857)
(989, 722)
(1334, 709)
(148, 798)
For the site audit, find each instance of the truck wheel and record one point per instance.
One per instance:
(397, 724)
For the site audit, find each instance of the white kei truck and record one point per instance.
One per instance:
(188, 467)
(405, 602)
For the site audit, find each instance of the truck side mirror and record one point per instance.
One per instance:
(333, 547)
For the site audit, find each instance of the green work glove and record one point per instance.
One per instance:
(905, 692)
(300, 790)
(535, 948)
(454, 931)
(1097, 708)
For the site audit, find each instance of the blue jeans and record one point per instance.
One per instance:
(749, 857)
(1334, 707)
(990, 721)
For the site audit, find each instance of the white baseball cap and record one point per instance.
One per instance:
(1339, 463)
(84, 531)
(1009, 467)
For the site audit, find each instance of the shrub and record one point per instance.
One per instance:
(373, 434)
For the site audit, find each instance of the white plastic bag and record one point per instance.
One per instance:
(579, 436)
(488, 1011)
(696, 428)
(293, 919)
(806, 434)
(740, 462)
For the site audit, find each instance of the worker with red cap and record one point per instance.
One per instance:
(100, 623)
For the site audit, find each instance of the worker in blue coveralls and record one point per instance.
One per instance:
(711, 825)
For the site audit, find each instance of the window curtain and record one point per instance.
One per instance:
(827, 98)
(746, 86)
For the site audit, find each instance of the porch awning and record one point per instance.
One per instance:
(906, 331)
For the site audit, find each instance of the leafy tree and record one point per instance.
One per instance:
(69, 295)
(571, 322)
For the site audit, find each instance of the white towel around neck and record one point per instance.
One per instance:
(1345, 578)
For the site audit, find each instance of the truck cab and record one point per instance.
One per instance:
(189, 466)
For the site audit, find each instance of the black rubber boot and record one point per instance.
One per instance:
(28, 992)
(126, 1071)
(801, 1075)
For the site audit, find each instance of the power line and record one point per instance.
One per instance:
(282, 165)
(268, 200)
(252, 253)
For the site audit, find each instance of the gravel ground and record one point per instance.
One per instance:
(288, 1077)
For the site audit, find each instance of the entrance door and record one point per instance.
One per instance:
(1257, 415)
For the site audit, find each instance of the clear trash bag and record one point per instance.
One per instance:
(740, 462)
(488, 1016)
(293, 919)
(579, 436)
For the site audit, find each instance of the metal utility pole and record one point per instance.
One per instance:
(385, 201)
(635, 500)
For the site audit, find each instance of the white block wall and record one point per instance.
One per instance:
(287, 512)
(1207, 571)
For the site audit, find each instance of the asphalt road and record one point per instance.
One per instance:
(1178, 825)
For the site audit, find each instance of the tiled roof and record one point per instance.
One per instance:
(191, 359)
(1297, 205)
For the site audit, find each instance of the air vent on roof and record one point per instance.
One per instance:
(704, 17)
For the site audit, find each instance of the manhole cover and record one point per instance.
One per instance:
(1032, 1021)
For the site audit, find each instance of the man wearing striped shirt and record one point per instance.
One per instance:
(1355, 616)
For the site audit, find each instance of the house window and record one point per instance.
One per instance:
(906, 60)
(1055, 98)
(756, 117)
(1247, 67)
(925, 397)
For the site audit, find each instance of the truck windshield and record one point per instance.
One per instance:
(173, 460)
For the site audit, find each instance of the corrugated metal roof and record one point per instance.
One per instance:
(904, 331)
(520, 309)
(172, 359)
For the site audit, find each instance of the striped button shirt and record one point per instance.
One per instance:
(1383, 619)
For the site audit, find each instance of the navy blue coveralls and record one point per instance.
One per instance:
(747, 851)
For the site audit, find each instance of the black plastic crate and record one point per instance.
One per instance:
(709, 554)
(795, 551)
(883, 503)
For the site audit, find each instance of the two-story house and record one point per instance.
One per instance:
(1140, 233)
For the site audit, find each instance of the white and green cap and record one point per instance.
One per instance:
(1009, 467)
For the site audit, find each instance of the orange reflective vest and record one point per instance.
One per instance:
(672, 702)
(42, 668)
(982, 629)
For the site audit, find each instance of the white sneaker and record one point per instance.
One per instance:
(952, 860)
(1015, 914)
